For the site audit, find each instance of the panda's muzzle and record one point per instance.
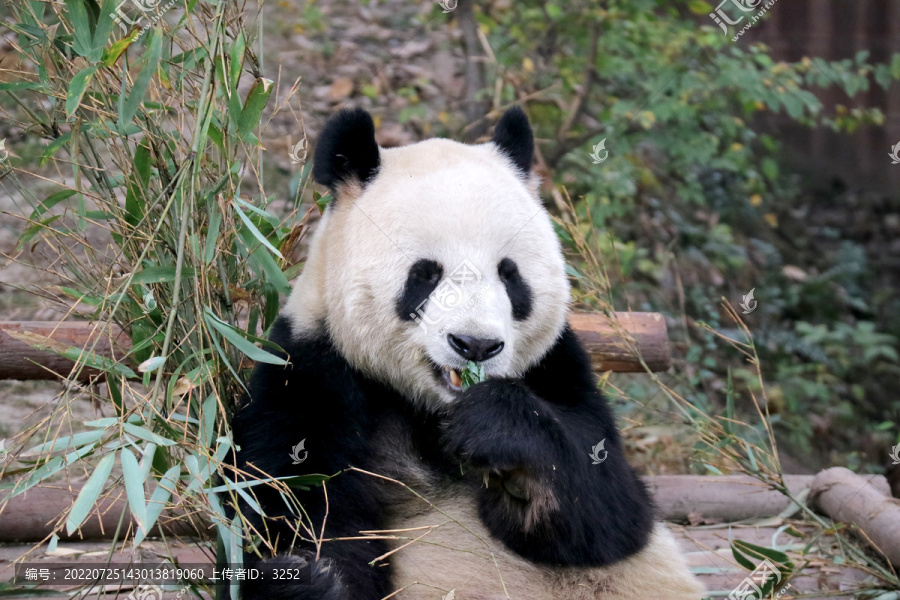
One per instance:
(473, 348)
(448, 376)
(452, 378)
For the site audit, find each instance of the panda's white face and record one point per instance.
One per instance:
(445, 256)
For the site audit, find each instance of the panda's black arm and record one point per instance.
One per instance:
(317, 398)
(532, 440)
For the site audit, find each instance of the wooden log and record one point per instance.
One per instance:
(730, 498)
(846, 497)
(616, 344)
(619, 343)
(19, 359)
(29, 517)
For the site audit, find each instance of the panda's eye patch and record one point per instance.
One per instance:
(508, 269)
(427, 271)
(423, 277)
(516, 288)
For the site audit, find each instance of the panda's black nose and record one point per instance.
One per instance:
(475, 349)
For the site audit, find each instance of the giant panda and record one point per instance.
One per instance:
(428, 258)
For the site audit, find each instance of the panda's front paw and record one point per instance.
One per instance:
(319, 580)
(499, 426)
(513, 441)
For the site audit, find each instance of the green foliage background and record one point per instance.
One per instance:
(695, 204)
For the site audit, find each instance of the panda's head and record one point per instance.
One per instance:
(430, 256)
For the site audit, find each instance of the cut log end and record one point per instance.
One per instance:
(849, 498)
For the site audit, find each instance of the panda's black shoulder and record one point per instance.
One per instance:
(306, 353)
(568, 361)
(317, 396)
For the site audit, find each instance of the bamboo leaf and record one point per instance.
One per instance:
(782, 563)
(115, 51)
(160, 274)
(256, 232)
(245, 496)
(241, 343)
(51, 467)
(207, 425)
(147, 435)
(740, 558)
(212, 235)
(272, 220)
(292, 481)
(53, 146)
(761, 552)
(134, 488)
(236, 60)
(105, 24)
(52, 200)
(146, 461)
(158, 499)
(81, 24)
(66, 442)
(151, 364)
(193, 466)
(14, 86)
(32, 230)
(264, 264)
(253, 107)
(751, 456)
(104, 422)
(139, 89)
(89, 494)
(77, 86)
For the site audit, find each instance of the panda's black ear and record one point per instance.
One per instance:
(514, 138)
(346, 150)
